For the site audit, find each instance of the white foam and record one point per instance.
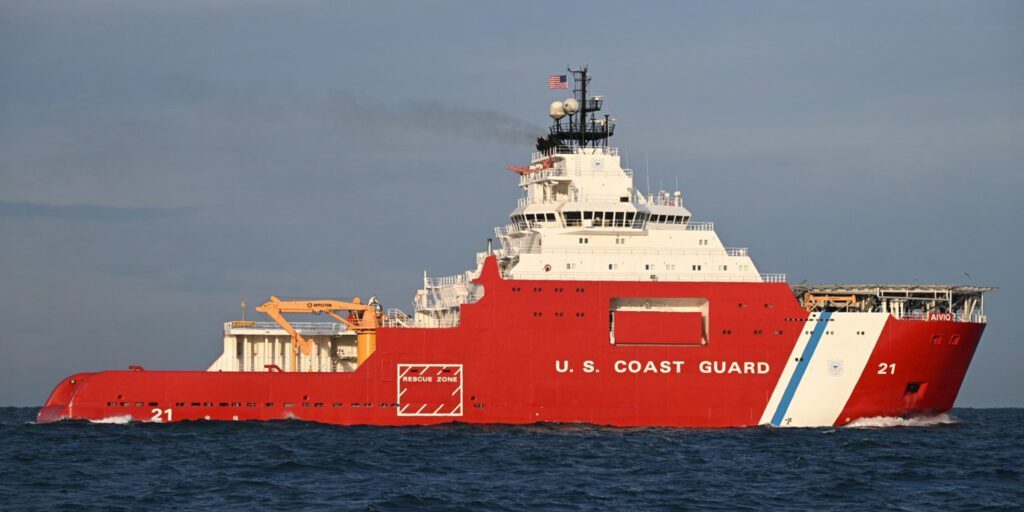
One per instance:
(114, 420)
(889, 421)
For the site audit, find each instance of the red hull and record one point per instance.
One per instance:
(539, 351)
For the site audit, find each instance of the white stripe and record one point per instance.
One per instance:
(833, 371)
(787, 371)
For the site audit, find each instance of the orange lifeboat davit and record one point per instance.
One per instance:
(523, 171)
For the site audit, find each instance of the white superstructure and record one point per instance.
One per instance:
(581, 218)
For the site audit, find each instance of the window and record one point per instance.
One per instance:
(671, 267)
(695, 268)
(613, 266)
(647, 266)
(570, 266)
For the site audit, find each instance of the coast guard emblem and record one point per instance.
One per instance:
(835, 368)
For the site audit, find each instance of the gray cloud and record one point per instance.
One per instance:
(87, 212)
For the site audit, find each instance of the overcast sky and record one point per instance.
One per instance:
(161, 162)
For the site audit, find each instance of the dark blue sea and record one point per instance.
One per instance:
(972, 459)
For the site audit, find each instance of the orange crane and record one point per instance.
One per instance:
(362, 318)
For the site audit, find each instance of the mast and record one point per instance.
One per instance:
(583, 105)
(580, 131)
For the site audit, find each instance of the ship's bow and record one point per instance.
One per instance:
(58, 406)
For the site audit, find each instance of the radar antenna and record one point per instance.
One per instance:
(584, 128)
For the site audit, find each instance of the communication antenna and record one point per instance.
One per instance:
(647, 165)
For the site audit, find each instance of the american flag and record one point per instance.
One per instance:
(558, 82)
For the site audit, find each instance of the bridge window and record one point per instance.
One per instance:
(573, 218)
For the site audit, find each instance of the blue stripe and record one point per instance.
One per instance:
(801, 367)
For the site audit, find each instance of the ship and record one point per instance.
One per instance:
(598, 304)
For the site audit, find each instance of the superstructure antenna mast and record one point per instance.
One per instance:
(647, 169)
(583, 105)
(581, 131)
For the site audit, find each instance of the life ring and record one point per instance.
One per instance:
(547, 268)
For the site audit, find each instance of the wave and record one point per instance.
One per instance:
(891, 421)
(114, 420)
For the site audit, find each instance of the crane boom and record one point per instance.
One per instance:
(362, 318)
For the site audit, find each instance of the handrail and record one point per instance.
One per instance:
(539, 249)
(537, 156)
(929, 317)
(303, 327)
(639, 276)
(700, 226)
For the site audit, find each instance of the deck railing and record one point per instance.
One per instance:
(941, 317)
(638, 276)
(308, 328)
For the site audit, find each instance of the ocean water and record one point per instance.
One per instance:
(972, 459)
